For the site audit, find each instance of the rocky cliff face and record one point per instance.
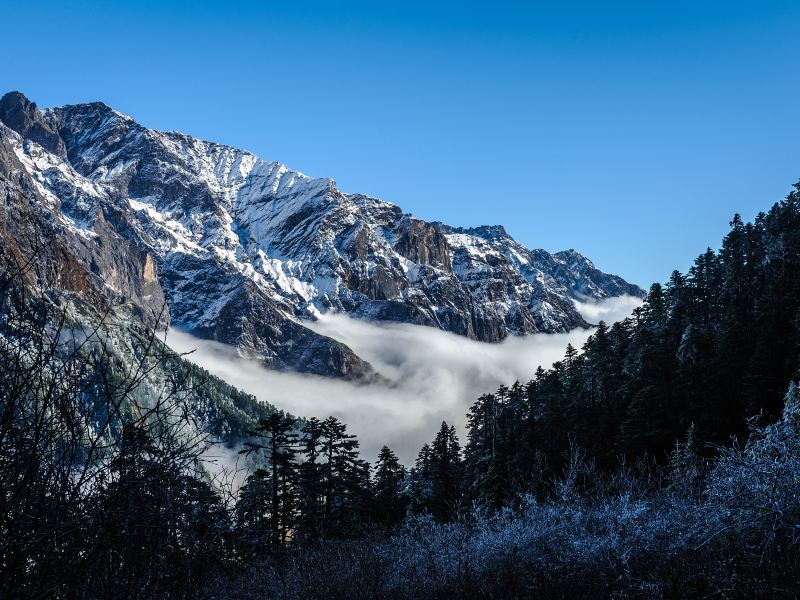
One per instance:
(243, 250)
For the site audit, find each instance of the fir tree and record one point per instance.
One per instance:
(277, 436)
(445, 473)
(389, 497)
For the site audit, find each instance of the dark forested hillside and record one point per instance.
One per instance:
(709, 350)
(659, 460)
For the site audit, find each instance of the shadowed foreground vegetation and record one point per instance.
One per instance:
(727, 528)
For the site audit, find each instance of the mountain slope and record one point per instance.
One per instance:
(244, 250)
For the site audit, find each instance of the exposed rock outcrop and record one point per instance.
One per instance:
(243, 250)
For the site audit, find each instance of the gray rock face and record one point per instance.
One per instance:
(22, 115)
(243, 251)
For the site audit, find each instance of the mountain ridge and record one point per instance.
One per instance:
(243, 250)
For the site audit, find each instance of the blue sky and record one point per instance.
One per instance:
(629, 131)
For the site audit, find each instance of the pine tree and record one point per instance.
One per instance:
(389, 497)
(480, 450)
(277, 436)
(445, 473)
(253, 519)
(421, 480)
(310, 491)
(335, 481)
(569, 361)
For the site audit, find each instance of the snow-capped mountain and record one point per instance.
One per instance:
(243, 251)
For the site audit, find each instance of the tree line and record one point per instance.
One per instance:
(707, 353)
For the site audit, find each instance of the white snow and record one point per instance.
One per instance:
(292, 235)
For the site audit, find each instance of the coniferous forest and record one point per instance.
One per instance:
(661, 459)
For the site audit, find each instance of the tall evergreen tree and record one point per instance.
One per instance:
(277, 436)
(335, 482)
(420, 477)
(390, 499)
(310, 513)
(445, 473)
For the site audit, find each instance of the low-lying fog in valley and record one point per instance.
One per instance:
(434, 375)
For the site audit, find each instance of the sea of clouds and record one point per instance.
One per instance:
(433, 376)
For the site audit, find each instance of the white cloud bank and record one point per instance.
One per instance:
(435, 375)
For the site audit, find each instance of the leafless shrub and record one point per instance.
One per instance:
(101, 490)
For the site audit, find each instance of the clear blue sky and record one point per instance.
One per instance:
(630, 131)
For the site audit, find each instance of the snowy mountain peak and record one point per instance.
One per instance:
(245, 250)
(24, 117)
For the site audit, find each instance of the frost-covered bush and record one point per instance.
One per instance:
(751, 513)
